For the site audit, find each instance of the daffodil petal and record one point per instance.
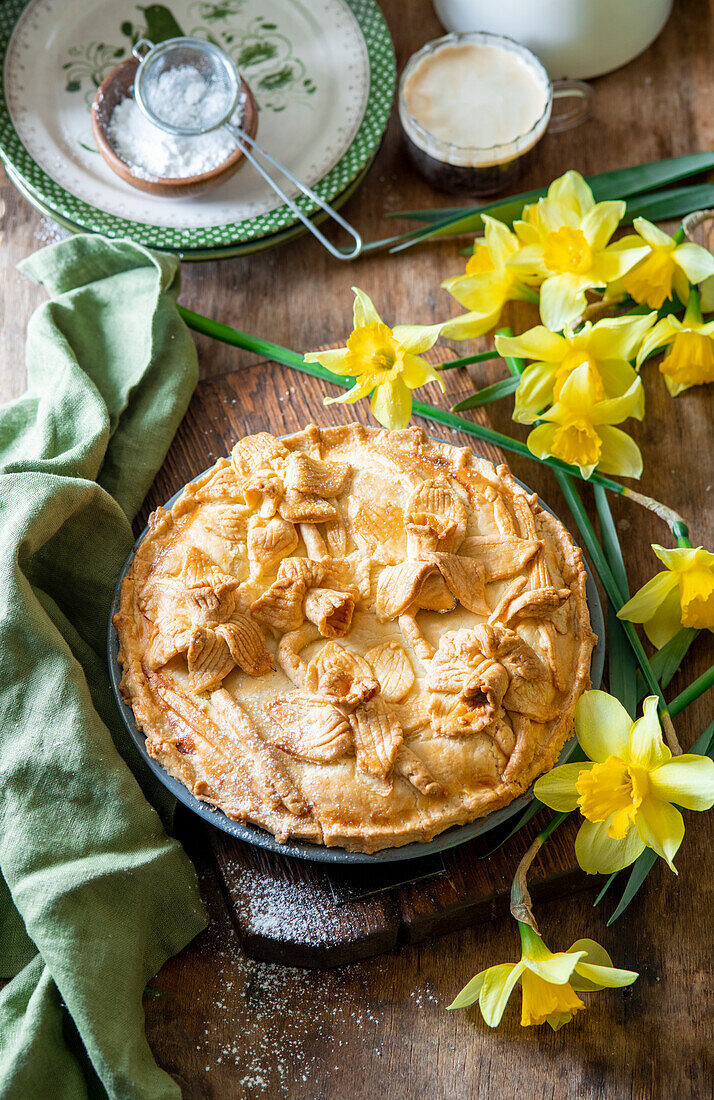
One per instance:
(661, 827)
(527, 259)
(706, 292)
(687, 780)
(502, 243)
(619, 454)
(470, 325)
(616, 409)
(680, 558)
(617, 376)
(590, 976)
(555, 969)
(497, 988)
(534, 393)
(658, 337)
(652, 234)
(537, 343)
(647, 600)
(416, 338)
(579, 392)
(619, 337)
(470, 993)
(599, 854)
(666, 621)
(647, 747)
(696, 262)
(602, 725)
(336, 360)
(571, 189)
(417, 372)
(391, 404)
(362, 388)
(540, 440)
(557, 789)
(601, 222)
(613, 263)
(562, 300)
(363, 310)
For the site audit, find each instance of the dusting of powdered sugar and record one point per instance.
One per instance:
(279, 1030)
(183, 97)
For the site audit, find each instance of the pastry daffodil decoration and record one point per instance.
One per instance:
(690, 348)
(565, 239)
(488, 283)
(578, 428)
(385, 362)
(550, 981)
(627, 788)
(669, 266)
(606, 347)
(680, 595)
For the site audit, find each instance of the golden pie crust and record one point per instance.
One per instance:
(355, 637)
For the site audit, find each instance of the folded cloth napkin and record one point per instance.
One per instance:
(95, 895)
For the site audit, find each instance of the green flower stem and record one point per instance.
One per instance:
(528, 294)
(553, 824)
(679, 236)
(693, 312)
(485, 396)
(480, 357)
(268, 350)
(696, 688)
(614, 595)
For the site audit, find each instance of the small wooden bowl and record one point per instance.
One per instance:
(117, 86)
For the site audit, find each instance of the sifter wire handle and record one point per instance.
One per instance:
(245, 140)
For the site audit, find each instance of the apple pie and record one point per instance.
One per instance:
(355, 637)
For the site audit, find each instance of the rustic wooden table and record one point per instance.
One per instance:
(227, 1027)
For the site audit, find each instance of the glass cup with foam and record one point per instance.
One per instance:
(474, 106)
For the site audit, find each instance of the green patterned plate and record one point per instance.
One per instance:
(196, 255)
(322, 71)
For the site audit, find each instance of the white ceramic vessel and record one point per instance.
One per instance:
(573, 38)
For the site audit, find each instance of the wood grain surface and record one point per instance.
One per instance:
(229, 1028)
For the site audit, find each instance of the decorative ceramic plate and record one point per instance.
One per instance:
(197, 255)
(450, 838)
(322, 72)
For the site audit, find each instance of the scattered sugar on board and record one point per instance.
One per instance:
(49, 232)
(267, 1019)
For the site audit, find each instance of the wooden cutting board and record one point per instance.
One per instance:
(316, 915)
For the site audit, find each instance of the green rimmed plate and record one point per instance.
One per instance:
(322, 71)
(197, 255)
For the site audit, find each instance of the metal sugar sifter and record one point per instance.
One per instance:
(216, 110)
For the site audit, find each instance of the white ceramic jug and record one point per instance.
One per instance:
(573, 38)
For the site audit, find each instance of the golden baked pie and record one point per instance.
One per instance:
(355, 637)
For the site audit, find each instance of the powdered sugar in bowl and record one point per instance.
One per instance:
(150, 159)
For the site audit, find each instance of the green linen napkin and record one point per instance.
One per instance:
(95, 895)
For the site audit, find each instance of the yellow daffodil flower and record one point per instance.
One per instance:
(577, 429)
(605, 347)
(566, 243)
(550, 981)
(690, 358)
(386, 363)
(667, 266)
(680, 595)
(626, 788)
(488, 283)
